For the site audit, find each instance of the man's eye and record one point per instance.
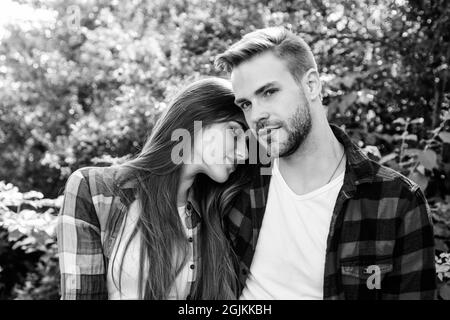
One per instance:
(269, 92)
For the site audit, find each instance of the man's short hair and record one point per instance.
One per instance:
(283, 43)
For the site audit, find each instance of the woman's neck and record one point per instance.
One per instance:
(187, 177)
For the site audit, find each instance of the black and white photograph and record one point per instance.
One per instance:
(241, 151)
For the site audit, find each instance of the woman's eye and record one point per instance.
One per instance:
(245, 105)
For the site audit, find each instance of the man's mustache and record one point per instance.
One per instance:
(262, 125)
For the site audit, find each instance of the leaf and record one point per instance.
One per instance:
(14, 235)
(371, 139)
(349, 79)
(447, 115)
(412, 152)
(388, 157)
(400, 121)
(373, 150)
(444, 292)
(365, 96)
(33, 195)
(420, 168)
(429, 159)
(440, 245)
(347, 100)
(420, 179)
(445, 136)
(412, 137)
(385, 137)
(417, 121)
(441, 230)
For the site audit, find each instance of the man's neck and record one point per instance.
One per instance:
(313, 164)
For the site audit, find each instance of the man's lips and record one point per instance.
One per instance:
(267, 130)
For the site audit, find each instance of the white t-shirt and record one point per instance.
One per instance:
(130, 273)
(289, 260)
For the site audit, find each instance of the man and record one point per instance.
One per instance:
(329, 223)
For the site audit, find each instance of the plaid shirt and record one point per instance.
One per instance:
(380, 218)
(94, 206)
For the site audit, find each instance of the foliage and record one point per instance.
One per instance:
(85, 87)
(28, 253)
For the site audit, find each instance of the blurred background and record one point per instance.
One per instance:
(83, 81)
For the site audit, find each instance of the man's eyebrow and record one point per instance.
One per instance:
(257, 92)
(264, 88)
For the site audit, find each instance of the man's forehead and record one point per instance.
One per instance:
(266, 61)
(257, 72)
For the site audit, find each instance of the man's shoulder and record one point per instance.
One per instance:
(391, 178)
(394, 193)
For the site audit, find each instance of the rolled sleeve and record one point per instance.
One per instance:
(80, 249)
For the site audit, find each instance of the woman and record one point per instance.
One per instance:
(151, 228)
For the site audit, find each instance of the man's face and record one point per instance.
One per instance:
(274, 104)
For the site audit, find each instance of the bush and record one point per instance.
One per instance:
(28, 252)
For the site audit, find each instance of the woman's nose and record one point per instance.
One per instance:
(241, 151)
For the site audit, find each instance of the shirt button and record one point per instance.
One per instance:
(188, 209)
(190, 239)
(192, 266)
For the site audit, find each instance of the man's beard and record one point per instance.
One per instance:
(298, 130)
(297, 127)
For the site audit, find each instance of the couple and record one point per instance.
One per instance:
(327, 223)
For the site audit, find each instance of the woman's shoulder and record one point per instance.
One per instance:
(93, 181)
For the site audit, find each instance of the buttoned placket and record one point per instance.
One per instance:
(190, 238)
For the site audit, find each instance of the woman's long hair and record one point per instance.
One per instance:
(157, 179)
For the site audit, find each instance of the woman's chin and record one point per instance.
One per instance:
(220, 173)
(219, 177)
(222, 179)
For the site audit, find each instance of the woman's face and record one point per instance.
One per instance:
(221, 146)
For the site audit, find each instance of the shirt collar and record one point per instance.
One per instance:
(359, 168)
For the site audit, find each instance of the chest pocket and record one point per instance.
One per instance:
(363, 280)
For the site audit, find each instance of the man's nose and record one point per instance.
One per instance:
(258, 113)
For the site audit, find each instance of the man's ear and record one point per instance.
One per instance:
(312, 84)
